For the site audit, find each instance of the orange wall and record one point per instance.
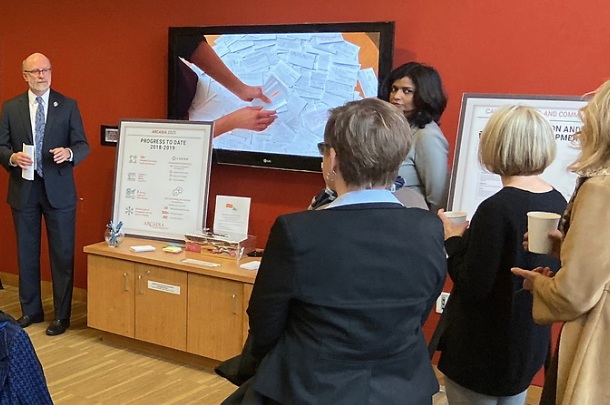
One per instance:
(112, 57)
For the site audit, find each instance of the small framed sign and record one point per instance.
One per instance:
(110, 135)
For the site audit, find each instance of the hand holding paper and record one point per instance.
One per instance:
(249, 93)
(27, 170)
(254, 118)
(276, 94)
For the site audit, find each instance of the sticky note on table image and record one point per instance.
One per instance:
(28, 172)
(231, 215)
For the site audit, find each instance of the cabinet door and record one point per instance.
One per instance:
(215, 317)
(110, 295)
(161, 306)
(246, 323)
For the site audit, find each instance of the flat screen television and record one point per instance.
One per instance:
(304, 70)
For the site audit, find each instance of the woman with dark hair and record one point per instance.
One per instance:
(417, 90)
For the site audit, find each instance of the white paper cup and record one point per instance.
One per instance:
(457, 217)
(539, 224)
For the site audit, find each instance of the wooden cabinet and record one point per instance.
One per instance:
(138, 301)
(217, 302)
(156, 298)
(160, 309)
(110, 295)
(246, 323)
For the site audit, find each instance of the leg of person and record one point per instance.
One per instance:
(549, 390)
(27, 223)
(60, 225)
(458, 395)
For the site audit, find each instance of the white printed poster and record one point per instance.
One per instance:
(471, 183)
(162, 177)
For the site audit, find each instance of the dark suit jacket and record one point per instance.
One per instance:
(338, 304)
(64, 128)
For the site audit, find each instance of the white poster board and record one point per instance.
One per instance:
(471, 183)
(162, 177)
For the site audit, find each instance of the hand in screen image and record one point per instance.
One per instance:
(294, 77)
(249, 93)
(205, 60)
(208, 61)
(254, 118)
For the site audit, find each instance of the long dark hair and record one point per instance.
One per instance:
(429, 98)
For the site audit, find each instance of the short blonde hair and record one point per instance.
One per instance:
(594, 136)
(517, 141)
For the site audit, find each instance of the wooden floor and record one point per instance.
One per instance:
(83, 368)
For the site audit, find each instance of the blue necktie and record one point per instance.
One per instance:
(39, 125)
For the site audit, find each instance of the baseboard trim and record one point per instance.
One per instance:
(193, 360)
(46, 287)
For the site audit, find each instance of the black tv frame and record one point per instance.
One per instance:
(261, 159)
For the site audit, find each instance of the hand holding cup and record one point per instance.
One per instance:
(454, 222)
(542, 234)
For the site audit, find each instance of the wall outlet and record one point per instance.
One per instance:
(441, 301)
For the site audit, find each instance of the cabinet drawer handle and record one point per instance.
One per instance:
(139, 283)
(234, 299)
(126, 278)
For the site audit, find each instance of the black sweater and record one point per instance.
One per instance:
(492, 345)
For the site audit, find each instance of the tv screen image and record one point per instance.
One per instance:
(304, 70)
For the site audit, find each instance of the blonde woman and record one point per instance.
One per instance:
(578, 294)
(492, 348)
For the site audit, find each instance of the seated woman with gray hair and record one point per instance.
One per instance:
(337, 308)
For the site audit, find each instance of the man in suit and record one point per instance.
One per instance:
(52, 123)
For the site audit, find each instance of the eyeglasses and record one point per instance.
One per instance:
(323, 147)
(36, 72)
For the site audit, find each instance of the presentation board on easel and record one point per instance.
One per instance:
(162, 177)
(471, 183)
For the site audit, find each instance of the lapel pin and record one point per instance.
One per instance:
(55, 104)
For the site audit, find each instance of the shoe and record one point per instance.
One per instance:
(27, 320)
(58, 326)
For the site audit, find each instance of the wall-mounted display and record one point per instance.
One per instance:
(303, 70)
